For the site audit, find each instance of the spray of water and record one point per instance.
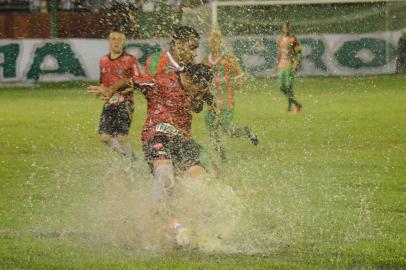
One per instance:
(108, 202)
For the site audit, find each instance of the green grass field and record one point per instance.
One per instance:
(325, 189)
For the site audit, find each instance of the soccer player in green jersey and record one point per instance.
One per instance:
(227, 74)
(289, 58)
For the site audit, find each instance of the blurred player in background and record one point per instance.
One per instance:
(289, 58)
(227, 73)
(116, 117)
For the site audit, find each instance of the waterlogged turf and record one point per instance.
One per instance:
(324, 189)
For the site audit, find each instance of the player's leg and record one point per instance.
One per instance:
(158, 156)
(125, 147)
(163, 172)
(215, 138)
(231, 130)
(209, 119)
(291, 97)
(187, 157)
(283, 80)
(106, 124)
(207, 161)
(124, 118)
(163, 179)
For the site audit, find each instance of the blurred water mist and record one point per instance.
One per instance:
(128, 216)
(246, 211)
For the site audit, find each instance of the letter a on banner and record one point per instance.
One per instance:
(67, 63)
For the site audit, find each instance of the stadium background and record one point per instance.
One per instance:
(324, 189)
(338, 38)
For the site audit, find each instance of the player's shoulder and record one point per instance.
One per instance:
(105, 58)
(230, 56)
(293, 38)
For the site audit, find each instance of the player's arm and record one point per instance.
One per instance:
(148, 65)
(215, 132)
(238, 75)
(136, 72)
(100, 77)
(235, 66)
(209, 99)
(278, 58)
(136, 68)
(101, 90)
(100, 71)
(298, 54)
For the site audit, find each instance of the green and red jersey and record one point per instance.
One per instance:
(225, 69)
(161, 62)
(288, 51)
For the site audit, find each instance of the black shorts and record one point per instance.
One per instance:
(116, 119)
(183, 152)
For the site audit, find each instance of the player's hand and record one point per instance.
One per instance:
(127, 91)
(97, 90)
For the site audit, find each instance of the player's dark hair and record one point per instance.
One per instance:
(184, 33)
(199, 74)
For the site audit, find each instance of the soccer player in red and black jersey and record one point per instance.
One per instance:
(166, 136)
(181, 54)
(115, 119)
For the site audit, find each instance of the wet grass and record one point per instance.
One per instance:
(324, 189)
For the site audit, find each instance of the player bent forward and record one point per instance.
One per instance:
(167, 139)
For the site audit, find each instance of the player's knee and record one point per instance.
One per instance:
(163, 175)
(122, 139)
(104, 138)
(163, 172)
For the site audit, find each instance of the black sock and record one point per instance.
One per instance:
(292, 100)
(289, 104)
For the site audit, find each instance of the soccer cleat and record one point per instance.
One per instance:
(297, 109)
(253, 138)
(180, 236)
